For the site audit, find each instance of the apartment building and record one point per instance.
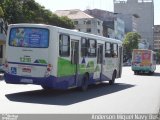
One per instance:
(113, 25)
(83, 22)
(157, 37)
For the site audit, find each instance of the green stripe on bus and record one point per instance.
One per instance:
(65, 68)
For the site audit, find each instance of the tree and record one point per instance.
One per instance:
(1, 12)
(1, 2)
(158, 56)
(66, 22)
(130, 42)
(29, 11)
(13, 11)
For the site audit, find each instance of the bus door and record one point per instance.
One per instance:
(100, 59)
(75, 57)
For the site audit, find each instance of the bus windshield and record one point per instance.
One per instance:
(29, 37)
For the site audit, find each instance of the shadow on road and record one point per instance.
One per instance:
(67, 97)
(156, 74)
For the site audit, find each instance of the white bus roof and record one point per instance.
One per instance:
(69, 31)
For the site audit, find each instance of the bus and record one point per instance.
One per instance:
(59, 58)
(143, 61)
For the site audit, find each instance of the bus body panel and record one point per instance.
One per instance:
(22, 59)
(46, 67)
(32, 68)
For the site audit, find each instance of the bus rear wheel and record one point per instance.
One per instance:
(112, 81)
(84, 85)
(151, 72)
(136, 72)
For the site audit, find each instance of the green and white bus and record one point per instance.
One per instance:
(59, 58)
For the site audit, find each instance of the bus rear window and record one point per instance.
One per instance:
(29, 37)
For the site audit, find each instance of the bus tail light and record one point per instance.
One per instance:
(48, 71)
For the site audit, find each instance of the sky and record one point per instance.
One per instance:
(54, 5)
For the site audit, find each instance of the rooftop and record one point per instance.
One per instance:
(73, 14)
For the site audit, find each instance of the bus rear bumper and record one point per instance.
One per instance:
(143, 69)
(51, 81)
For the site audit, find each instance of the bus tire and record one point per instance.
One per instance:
(151, 72)
(135, 72)
(84, 85)
(112, 81)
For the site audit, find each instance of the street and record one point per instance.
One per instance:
(130, 94)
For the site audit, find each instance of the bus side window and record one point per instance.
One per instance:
(107, 49)
(114, 50)
(92, 48)
(84, 46)
(64, 45)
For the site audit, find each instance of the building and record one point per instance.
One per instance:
(130, 21)
(157, 37)
(113, 25)
(83, 22)
(119, 27)
(144, 10)
(2, 40)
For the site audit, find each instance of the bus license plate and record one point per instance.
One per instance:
(28, 70)
(24, 80)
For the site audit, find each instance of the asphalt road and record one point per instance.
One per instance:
(130, 94)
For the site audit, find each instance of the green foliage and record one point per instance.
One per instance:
(13, 11)
(130, 42)
(29, 11)
(1, 12)
(158, 56)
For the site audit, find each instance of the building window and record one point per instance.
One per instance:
(98, 30)
(64, 45)
(88, 22)
(88, 30)
(98, 23)
(76, 22)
